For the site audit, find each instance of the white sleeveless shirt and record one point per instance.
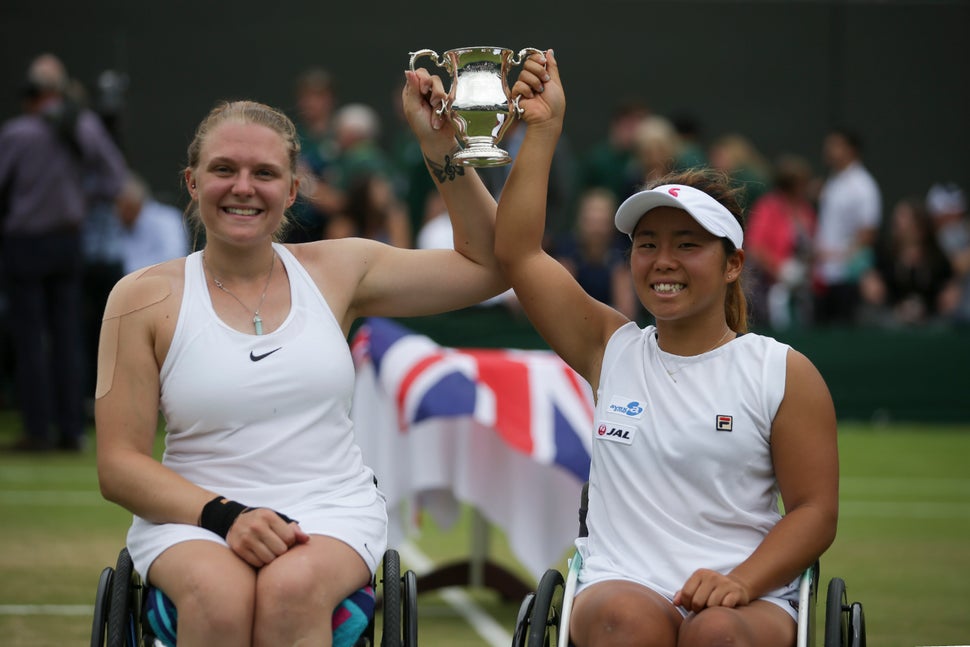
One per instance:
(681, 475)
(265, 420)
(262, 419)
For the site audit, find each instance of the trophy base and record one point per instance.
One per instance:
(482, 156)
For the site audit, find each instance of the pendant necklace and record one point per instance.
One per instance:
(660, 353)
(257, 320)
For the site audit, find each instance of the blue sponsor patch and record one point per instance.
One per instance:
(622, 405)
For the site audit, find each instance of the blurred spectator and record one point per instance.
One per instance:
(413, 183)
(778, 241)
(151, 232)
(594, 252)
(948, 206)
(110, 103)
(373, 211)
(436, 233)
(559, 193)
(690, 150)
(357, 129)
(612, 162)
(849, 213)
(315, 102)
(655, 145)
(737, 156)
(911, 275)
(54, 160)
(102, 268)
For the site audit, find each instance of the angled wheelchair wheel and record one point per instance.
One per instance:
(391, 594)
(857, 625)
(836, 614)
(522, 620)
(543, 628)
(410, 607)
(99, 624)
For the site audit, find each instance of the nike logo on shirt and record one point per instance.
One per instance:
(256, 357)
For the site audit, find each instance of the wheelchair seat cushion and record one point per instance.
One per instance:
(349, 620)
(161, 616)
(352, 616)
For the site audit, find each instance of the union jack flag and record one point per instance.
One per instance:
(531, 398)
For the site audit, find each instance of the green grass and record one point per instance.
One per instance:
(903, 545)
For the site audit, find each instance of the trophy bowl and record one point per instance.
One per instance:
(479, 104)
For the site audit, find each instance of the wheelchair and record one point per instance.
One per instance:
(543, 616)
(127, 613)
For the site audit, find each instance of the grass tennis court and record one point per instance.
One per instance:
(903, 545)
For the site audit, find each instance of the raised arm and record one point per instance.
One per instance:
(398, 282)
(574, 324)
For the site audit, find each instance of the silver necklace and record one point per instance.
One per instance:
(670, 373)
(257, 320)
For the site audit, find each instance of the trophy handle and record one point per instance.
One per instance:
(437, 60)
(518, 59)
(425, 52)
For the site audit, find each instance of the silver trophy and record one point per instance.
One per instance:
(479, 103)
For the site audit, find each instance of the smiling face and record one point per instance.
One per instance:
(680, 269)
(242, 182)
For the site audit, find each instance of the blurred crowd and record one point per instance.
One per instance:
(822, 248)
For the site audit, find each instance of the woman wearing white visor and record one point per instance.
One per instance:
(700, 425)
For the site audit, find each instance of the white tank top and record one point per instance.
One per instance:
(681, 474)
(263, 419)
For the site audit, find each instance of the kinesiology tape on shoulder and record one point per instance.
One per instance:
(147, 291)
(220, 513)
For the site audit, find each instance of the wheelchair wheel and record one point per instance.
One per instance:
(410, 602)
(857, 626)
(391, 593)
(836, 615)
(543, 630)
(522, 620)
(122, 625)
(102, 602)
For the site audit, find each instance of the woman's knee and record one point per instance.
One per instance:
(759, 624)
(292, 585)
(624, 614)
(714, 627)
(213, 595)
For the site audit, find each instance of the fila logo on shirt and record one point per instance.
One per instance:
(615, 433)
(725, 423)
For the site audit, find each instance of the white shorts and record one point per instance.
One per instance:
(787, 603)
(362, 527)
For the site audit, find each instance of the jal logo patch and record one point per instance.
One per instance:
(725, 423)
(625, 406)
(615, 433)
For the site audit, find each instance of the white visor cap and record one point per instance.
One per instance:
(708, 212)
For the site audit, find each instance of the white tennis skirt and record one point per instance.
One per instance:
(361, 524)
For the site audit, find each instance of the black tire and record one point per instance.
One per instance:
(120, 612)
(836, 620)
(391, 574)
(857, 626)
(546, 611)
(522, 620)
(102, 602)
(410, 609)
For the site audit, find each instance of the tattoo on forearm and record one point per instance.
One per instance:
(447, 172)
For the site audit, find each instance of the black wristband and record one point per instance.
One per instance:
(219, 514)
